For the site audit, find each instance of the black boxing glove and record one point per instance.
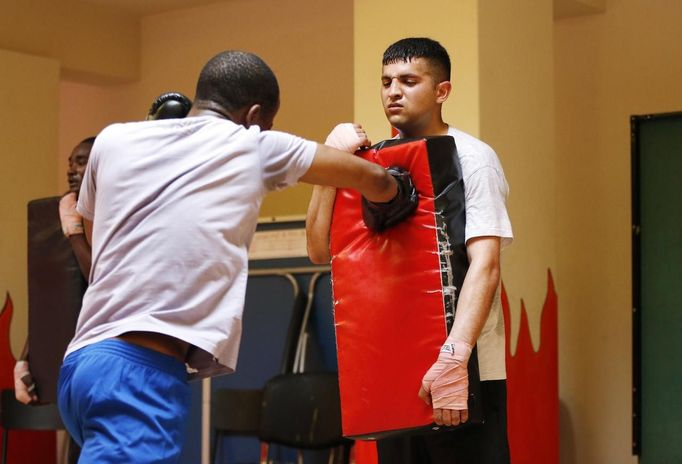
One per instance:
(170, 105)
(381, 216)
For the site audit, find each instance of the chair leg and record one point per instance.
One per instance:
(214, 448)
(4, 445)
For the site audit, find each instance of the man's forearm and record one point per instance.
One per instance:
(475, 300)
(318, 223)
(82, 251)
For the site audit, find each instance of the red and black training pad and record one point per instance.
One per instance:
(395, 292)
(55, 293)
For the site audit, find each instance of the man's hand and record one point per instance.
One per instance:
(347, 137)
(24, 387)
(446, 384)
(72, 222)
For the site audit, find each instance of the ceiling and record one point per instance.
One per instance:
(570, 8)
(147, 7)
(562, 8)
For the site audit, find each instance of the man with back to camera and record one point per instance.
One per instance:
(174, 205)
(415, 84)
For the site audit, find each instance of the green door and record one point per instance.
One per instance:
(657, 291)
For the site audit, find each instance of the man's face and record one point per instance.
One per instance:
(409, 93)
(77, 163)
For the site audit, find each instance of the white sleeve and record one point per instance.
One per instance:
(86, 195)
(284, 158)
(485, 193)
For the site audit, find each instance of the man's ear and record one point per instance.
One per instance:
(253, 115)
(443, 90)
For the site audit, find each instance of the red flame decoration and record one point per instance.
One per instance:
(23, 446)
(532, 389)
(533, 386)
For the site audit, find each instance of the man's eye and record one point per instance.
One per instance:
(386, 83)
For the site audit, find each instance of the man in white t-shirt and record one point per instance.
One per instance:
(174, 205)
(415, 84)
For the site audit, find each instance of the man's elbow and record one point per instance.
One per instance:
(317, 256)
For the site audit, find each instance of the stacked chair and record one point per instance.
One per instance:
(295, 414)
(272, 318)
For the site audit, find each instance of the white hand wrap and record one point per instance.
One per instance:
(72, 222)
(347, 137)
(448, 379)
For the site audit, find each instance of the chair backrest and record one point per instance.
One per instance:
(15, 415)
(321, 323)
(302, 411)
(272, 317)
(236, 411)
(271, 323)
(316, 348)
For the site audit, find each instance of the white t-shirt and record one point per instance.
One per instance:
(485, 196)
(175, 205)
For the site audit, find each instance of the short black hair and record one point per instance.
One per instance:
(88, 141)
(235, 79)
(420, 47)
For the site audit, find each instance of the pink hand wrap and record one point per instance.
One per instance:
(72, 222)
(448, 379)
(347, 137)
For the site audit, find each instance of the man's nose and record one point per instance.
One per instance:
(394, 89)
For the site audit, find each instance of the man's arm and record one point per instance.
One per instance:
(478, 289)
(77, 231)
(336, 168)
(348, 137)
(83, 252)
(318, 222)
(473, 307)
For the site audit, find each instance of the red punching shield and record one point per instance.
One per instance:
(395, 292)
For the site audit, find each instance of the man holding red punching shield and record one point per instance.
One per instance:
(415, 84)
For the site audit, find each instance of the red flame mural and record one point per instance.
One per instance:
(23, 447)
(532, 389)
(533, 386)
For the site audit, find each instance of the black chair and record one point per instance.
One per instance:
(301, 409)
(15, 415)
(272, 318)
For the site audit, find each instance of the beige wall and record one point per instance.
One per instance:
(625, 61)
(84, 109)
(517, 110)
(28, 131)
(315, 75)
(380, 23)
(89, 41)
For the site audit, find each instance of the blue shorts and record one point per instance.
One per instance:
(123, 403)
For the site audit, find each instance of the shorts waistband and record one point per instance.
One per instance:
(133, 353)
